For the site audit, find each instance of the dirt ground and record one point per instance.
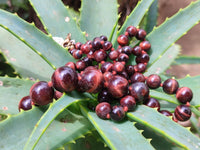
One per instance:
(190, 43)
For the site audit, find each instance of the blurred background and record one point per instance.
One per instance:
(190, 43)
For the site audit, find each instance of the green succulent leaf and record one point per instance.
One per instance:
(53, 111)
(187, 60)
(40, 43)
(98, 17)
(117, 135)
(194, 84)
(31, 65)
(12, 90)
(57, 19)
(165, 126)
(135, 17)
(16, 129)
(164, 61)
(162, 37)
(152, 16)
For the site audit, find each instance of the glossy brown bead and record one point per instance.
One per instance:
(118, 67)
(106, 66)
(128, 102)
(184, 95)
(137, 77)
(137, 51)
(100, 55)
(141, 34)
(77, 54)
(182, 113)
(165, 112)
(96, 44)
(143, 58)
(107, 76)
(124, 74)
(85, 48)
(139, 91)
(145, 45)
(153, 103)
(41, 93)
(91, 81)
(103, 37)
(127, 50)
(130, 70)
(107, 46)
(132, 31)
(117, 113)
(123, 58)
(88, 61)
(64, 79)
(113, 55)
(25, 103)
(122, 40)
(153, 81)
(71, 65)
(104, 96)
(102, 110)
(80, 65)
(170, 86)
(78, 45)
(140, 67)
(118, 86)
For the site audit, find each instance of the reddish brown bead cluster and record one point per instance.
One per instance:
(104, 70)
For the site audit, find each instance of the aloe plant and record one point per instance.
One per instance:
(68, 123)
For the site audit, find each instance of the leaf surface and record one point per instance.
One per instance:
(98, 17)
(57, 19)
(117, 136)
(187, 60)
(165, 126)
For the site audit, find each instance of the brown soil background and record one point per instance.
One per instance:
(190, 42)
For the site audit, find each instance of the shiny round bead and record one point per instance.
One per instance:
(96, 44)
(77, 54)
(127, 50)
(123, 57)
(117, 113)
(141, 34)
(80, 65)
(85, 48)
(184, 95)
(103, 37)
(106, 66)
(107, 46)
(128, 102)
(107, 76)
(153, 81)
(182, 113)
(113, 55)
(130, 70)
(140, 67)
(137, 77)
(132, 31)
(78, 45)
(153, 103)
(143, 58)
(71, 65)
(122, 40)
(102, 110)
(165, 112)
(100, 55)
(145, 45)
(25, 103)
(137, 51)
(118, 67)
(104, 96)
(170, 86)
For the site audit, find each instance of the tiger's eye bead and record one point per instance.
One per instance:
(143, 58)
(100, 55)
(96, 44)
(122, 40)
(182, 113)
(123, 57)
(117, 113)
(103, 37)
(107, 76)
(106, 66)
(145, 45)
(170, 86)
(137, 77)
(25, 103)
(77, 54)
(85, 48)
(140, 67)
(118, 67)
(113, 55)
(102, 110)
(132, 31)
(153, 81)
(71, 65)
(118, 86)
(80, 65)
(128, 102)
(88, 61)
(141, 34)
(127, 50)
(130, 70)
(184, 95)
(137, 51)
(107, 46)
(153, 103)
(139, 91)
(104, 96)
(165, 112)
(78, 45)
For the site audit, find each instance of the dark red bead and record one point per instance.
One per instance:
(106, 66)
(139, 91)
(120, 50)
(71, 65)
(143, 58)
(107, 46)
(130, 70)
(184, 95)
(123, 58)
(153, 103)
(88, 61)
(102, 110)
(145, 45)
(128, 102)
(122, 40)
(182, 113)
(141, 34)
(77, 54)
(71, 51)
(104, 96)
(118, 67)
(25, 103)
(117, 113)
(127, 50)
(137, 51)
(153, 81)
(96, 44)
(132, 31)
(78, 45)
(165, 112)
(100, 55)
(170, 86)
(80, 65)
(118, 86)
(85, 48)
(107, 76)
(140, 67)
(113, 55)
(41, 93)
(91, 80)
(137, 77)
(64, 79)
(124, 74)
(103, 37)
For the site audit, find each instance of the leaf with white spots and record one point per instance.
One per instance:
(166, 127)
